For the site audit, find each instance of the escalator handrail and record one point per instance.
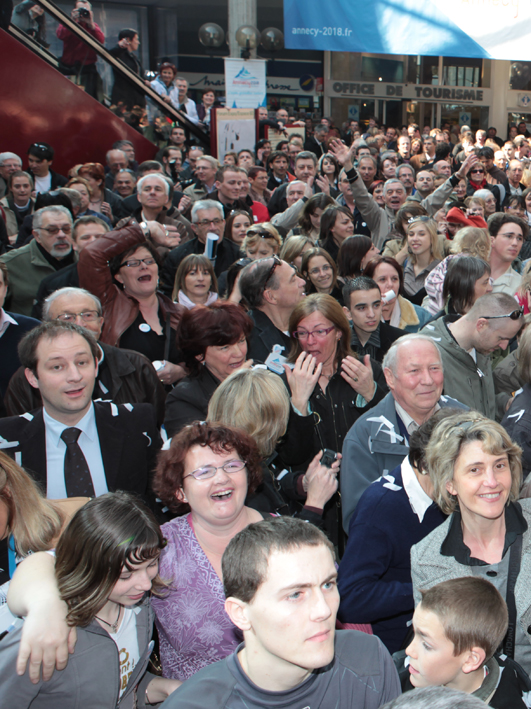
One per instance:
(169, 110)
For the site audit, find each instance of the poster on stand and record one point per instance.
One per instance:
(245, 83)
(232, 129)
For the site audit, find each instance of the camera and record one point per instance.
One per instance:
(173, 170)
(328, 457)
(83, 13)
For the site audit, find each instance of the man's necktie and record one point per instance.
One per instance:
(78, 481)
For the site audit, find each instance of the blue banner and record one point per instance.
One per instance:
(497, 29)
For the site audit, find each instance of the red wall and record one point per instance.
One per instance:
(38, 103)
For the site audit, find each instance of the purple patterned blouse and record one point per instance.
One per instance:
(194, 629)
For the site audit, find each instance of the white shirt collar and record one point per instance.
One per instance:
(418, 499)
(5, 321)
(87, 425)
(410, 423)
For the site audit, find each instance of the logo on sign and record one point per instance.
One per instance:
(307, 82)
(245, 78)
(524, 99)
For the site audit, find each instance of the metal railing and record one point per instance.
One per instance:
(101, 51)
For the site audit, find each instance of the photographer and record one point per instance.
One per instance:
(78, 58)
(30, 19)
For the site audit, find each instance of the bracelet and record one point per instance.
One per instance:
(147, 697)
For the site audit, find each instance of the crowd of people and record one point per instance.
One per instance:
(271, 413)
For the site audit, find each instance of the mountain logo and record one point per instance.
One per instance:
(245, 78)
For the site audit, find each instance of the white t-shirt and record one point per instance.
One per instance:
(43, 184)
(126, 640)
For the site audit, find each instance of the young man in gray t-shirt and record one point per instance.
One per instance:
(280, 584)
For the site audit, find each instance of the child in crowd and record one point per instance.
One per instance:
(458, 626)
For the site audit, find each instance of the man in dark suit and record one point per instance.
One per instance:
(73, 446)
(316, 143)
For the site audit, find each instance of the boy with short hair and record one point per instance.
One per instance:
(458, 626)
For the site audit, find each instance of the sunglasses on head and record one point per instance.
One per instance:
(515, 315)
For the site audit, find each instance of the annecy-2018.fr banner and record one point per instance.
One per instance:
(496, 29)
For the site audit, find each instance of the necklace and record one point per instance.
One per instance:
(112, 626)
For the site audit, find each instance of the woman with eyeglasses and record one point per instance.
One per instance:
(205, 477)
(320, 272)
(122, 269)
(476, 472)
(330, 386)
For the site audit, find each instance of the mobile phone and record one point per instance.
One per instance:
(328, 458)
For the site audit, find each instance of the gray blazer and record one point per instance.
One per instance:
(429, 567)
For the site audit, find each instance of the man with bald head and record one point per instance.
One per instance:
(124, 376)
(378, 441)
(116, 161)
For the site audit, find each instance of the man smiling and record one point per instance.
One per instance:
(73, 446)
(279, 579)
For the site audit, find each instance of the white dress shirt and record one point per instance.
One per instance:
(56, 449)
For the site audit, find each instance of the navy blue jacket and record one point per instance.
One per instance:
(375, 571)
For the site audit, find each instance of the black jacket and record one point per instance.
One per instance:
(129, 442)
(188, 401)
(131, 204)
(228, 252)
(387, 334)
(263, 336)
(65, 278)
(57, 179)
(124, 377)
(123, 90)
(517, 423)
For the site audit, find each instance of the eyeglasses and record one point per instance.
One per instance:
(231, 466)
(137, 261)
(319, 334)
(86, 316)
(54, 230)
(515, 315)
(207, 222)
(276, 262)
(478, 172)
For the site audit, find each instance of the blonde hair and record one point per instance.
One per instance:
(258, 232)
(33, 520)
(431, 227)
(473, 241)
(294, 246)
(255, 400)
(446, 444)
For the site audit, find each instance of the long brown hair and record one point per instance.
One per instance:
(33, 520)
(108, 533)
(331, 310)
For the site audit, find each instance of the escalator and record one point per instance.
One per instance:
(38, 103)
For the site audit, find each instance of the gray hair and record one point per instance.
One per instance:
(402, 166)
(54, 209)
(306, 155)
(391, 358)
(392, 181)
(435, 698)
(294, 182)
(159, 176)
(9, 156)
(115, 150)
(483, 194)
(212, 161)
(47, 304)
(73, 195)
(202, 204)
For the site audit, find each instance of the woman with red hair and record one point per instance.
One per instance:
(101, 199)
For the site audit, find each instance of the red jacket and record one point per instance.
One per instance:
(75, 51)
(119, 309)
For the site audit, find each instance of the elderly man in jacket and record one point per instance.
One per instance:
(378, 441)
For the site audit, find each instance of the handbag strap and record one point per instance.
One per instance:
(515, 558)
